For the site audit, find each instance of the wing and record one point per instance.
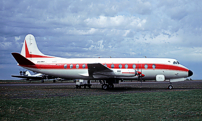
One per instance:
(97, 70)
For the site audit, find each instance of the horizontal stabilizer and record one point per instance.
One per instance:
(21, 59)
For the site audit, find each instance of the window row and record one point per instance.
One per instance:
(112, 66)
(134, 66)
(77, 66)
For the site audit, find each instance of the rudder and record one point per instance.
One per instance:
(30, 49)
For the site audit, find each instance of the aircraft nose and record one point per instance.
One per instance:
(190, 73)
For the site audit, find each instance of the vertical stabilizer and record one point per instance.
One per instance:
(27, 73)
(30, 49)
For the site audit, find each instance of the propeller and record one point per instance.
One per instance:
(140, 75)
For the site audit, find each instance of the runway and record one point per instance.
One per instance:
(96, 83)
(65, 89)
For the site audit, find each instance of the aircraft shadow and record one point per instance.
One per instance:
(120, 89)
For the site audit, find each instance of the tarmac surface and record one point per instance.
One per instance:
(96, 83)
(28, 90)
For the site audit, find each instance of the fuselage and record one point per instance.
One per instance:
(158, 69)
(124, 68)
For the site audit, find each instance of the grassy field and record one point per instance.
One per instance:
(169, 105)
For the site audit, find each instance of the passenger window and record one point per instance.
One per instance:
(126, 66)
(145, 66)
(65, 66)
(84, 65)
(71, 66)
(112, 66)
(120, 66)
(77, 66)
(105, 65)
(134, 66)
(153, 66)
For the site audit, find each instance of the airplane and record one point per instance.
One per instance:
(108, 70)
(28, 76)
(39, 76)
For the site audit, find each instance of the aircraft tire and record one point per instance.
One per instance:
(111, 86)
(104, 86)
(170, 87)
(54, 81)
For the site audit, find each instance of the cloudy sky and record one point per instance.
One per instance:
(103, 28)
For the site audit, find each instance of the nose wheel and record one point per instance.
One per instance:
(170, 87)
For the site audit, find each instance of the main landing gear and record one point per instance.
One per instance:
(109, 83)
(107, 86)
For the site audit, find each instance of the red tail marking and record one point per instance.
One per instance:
(27, 55)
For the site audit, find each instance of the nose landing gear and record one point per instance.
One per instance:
(170, 87)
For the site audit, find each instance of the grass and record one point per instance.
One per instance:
(171, 105)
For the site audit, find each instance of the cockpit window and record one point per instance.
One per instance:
(176, 62)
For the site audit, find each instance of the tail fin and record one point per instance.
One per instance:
(27, 73)
(30, 49)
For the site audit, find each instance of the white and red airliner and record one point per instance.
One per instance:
(111, 70)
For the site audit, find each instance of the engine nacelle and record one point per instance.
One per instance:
(160, 78)
(124, 73)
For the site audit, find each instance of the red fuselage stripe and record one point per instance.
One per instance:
(116, 66)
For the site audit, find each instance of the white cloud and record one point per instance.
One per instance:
(132, 28)
(17, 38)
(82, 32)
(5, 45)
(116, 22)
